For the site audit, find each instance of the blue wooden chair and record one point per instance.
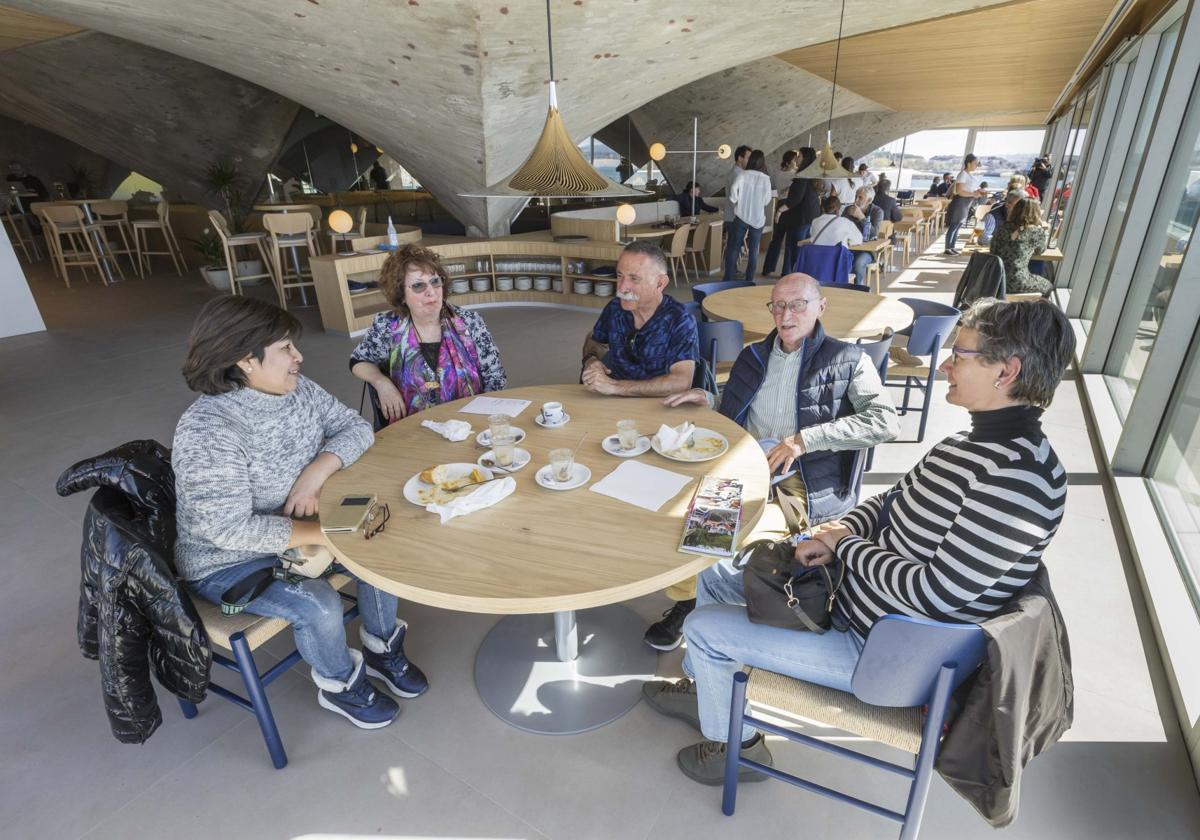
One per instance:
(877, 351)
(932, 326)
(693, 309)
(853, 287)
(702, 290)
(721, 342)
(242, 634)
(906, 663)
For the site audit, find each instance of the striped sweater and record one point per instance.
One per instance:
(965, 530)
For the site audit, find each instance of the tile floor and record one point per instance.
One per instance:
(107, 370)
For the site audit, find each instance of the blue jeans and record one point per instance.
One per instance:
(733, 247)
(721, 640)
(952, 236)
(861, 260)
(314, 609)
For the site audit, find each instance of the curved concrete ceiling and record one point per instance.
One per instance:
(456, 89)
(162, 115)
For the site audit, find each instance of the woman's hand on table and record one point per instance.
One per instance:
(784, 453)
(830, 533)
(303, 499)
(813, 553)
(692, 396)
(390, 401)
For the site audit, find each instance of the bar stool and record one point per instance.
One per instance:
(141, 239)
(318, 218)
(230, 242)
(115, 215)
(20, 231)
(66, 220)
(360, 231)
(290, 231)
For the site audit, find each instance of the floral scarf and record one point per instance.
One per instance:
(457, 373)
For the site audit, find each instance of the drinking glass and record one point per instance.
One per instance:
(561, 462)
(504, 448)
(627, 432)
(500, 425)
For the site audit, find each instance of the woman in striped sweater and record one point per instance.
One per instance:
(954, 540)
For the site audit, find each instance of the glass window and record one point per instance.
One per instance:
(1129, 167)
(1175, 467)
(927, 154)
(1069, 167)
(1003, 154)
(1150, 292)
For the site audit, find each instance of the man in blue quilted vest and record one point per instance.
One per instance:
(813, 400)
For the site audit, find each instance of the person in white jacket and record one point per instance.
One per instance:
(750, 195)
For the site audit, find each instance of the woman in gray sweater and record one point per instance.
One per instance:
(250, 457)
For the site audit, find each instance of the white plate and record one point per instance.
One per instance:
(422, 493)
(612, 445)
(484, 438)
(709, 445)
(537, 418)
(580, 475)
(520, 458)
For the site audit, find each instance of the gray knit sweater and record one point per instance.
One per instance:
(236, 457)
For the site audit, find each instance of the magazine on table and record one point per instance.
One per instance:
(713, 518)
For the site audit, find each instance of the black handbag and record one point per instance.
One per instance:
(782, 593)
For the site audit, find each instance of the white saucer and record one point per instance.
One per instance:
(521, 457)
(612, 445)
(484, 438)
(580, 475)
(538, 419)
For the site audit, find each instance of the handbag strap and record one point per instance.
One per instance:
(235, 598)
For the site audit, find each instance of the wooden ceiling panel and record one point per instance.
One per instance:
(20, 28)
(1010, 58)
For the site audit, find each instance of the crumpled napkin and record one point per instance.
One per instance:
(671, 439)
(451, 430)
(485, 495)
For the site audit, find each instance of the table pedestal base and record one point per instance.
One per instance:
(521, 678)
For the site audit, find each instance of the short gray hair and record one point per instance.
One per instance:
(642, 248)
(1036, 332)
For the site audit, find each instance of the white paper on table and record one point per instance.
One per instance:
(495, 405)
(641, 484)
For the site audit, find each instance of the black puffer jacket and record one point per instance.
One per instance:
(133, 612)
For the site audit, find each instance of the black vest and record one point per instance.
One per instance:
(826, 370)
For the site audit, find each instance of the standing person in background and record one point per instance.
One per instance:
(1040, 174)
(964, 192)
(869, 178)
(794, 215)
(740, 156)
(749, 197)
(782, 183)
(379, 176)
(846, 182)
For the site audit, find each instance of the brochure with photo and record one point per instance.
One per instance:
(713, 518)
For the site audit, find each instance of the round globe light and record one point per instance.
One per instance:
(626, 215)
(657, 151)
(353, 148)
(340, 221)
(724, 151)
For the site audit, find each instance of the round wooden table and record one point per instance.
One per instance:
(848, 315)
(539, 555)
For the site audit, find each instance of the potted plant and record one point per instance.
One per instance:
(224, 179)
(215, 274)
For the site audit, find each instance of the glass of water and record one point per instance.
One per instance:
(627, 433)
(561, 463)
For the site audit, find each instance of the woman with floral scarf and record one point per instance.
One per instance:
(424, 351)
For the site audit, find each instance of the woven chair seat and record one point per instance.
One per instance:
(257, 630)
(896, 727)
(246, 238)
(147, 223)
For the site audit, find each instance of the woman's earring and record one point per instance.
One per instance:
(996, 384)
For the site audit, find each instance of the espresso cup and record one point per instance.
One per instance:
(552, 412)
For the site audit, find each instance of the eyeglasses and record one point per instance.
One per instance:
(957, 353)
(377, 516)
(421, 285)
(777, 307)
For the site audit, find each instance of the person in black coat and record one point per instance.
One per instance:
(884, 201)
(794, 216)
(690, 202)
(133, 614)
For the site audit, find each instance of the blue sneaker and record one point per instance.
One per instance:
(356, 699)
(386, 662)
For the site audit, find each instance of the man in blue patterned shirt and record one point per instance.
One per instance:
(645, 343)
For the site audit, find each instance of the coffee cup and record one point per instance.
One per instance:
(552, 413)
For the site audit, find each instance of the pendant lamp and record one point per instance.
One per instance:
(555, 168)
(826, 165)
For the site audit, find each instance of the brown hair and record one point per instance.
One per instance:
(391, 276)
(227, 330)
(832, 204)
(1027, 213)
